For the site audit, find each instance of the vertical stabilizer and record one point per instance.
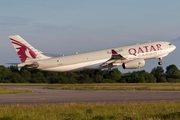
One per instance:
(25, 51)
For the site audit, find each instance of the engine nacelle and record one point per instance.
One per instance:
(136, 63)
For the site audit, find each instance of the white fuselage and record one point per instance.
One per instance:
(94, 60)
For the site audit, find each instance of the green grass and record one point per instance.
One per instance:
(92, 111)
(8, 91)
(117, 87)
(108, 86)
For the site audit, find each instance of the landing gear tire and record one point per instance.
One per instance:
(91, 75)
(111, 73)
(160, 63)
(96, 72)
(106, 76)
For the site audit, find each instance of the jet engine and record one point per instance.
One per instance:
(136, 63)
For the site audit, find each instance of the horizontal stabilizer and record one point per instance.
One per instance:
(12, 63)
(29, 65)
(33, 65)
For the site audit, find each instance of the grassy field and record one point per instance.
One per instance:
(8, 91)
(93, 111)
(107, 86)
(118, 87)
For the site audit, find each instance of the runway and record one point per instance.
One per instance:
(61, 96)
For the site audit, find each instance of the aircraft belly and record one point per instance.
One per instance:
(79, 66)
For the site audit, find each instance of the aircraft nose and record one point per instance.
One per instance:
(174, 47)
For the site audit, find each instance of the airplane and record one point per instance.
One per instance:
(130, 57)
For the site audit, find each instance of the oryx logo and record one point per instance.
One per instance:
(23, 51)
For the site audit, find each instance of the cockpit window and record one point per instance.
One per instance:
(170, 44)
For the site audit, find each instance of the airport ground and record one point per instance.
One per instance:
(66, 95)
(89, 104)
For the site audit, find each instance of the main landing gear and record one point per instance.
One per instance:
(110, 72)
(92, 75)
(96, 72)
(160, 63)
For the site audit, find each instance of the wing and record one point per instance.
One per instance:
(116, 59)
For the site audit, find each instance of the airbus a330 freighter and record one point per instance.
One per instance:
(129, 57)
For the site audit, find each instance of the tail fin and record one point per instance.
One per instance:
(25, 51)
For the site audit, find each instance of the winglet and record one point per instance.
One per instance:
(114, 52)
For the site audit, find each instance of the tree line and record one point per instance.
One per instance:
(157, 75)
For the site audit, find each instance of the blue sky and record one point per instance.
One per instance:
(70, 26)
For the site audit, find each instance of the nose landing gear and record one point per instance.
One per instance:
(160, 63)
